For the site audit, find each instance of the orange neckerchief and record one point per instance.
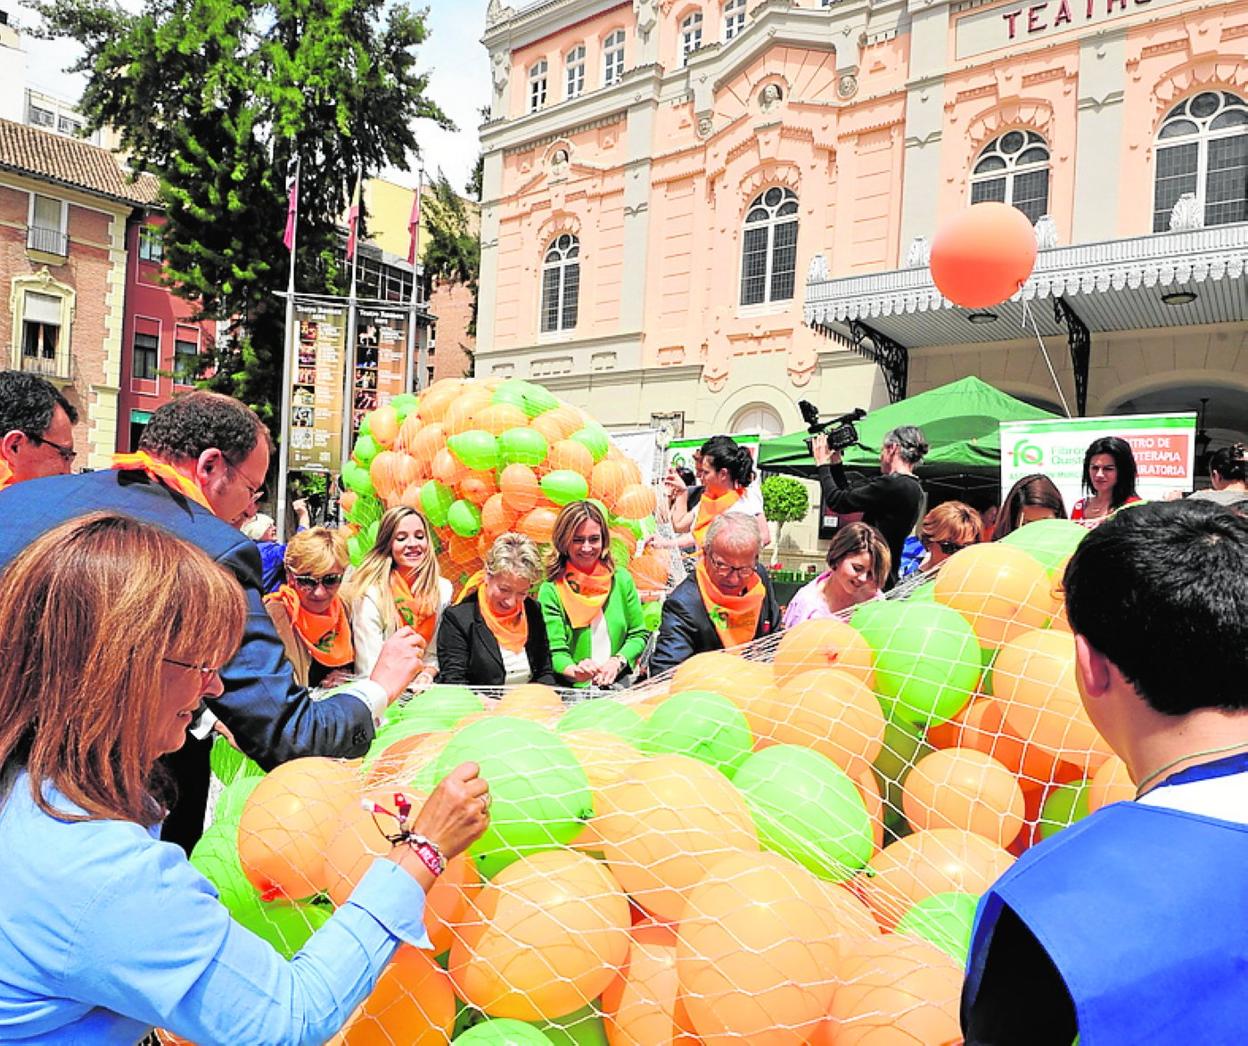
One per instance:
(582, 594)
(735, 617)
(6, 477)
(405, 604)
(161, 472)
(327, 636)
(470, 586)
(709, 508)
(511, 632)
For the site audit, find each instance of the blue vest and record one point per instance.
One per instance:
(1144, 912)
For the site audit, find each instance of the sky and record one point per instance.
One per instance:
(457, 65)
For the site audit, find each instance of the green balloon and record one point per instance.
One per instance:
(228, 763)
(355, 477)
(652, 615)
(475, 448)
(532, 399)
(706, 726)
(285, 926)
(370, 532)
(595, 439)
(927, 660)
(582, 1027)
(923, 594)
(442, 703)
(904, 745)
(436, 500)
(1047, 541)
(619, 552)
(807, 809)
(366, 511)
(233, 797)
(564, 486)
(1064, 806)
(393, 732)
(464, 519)
(215, 857)
(522, 446)
(366, 425)
(943, 919)
(365, 450)
(404, 403)
(503, 1031)
(357, 549)
(539, 795)
(602, 713)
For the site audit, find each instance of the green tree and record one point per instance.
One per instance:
(785, 500)
(453, 249)
(217, 99)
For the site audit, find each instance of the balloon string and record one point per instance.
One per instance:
(1045, 353)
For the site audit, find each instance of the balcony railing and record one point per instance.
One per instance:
(47, 241)
(57, 366)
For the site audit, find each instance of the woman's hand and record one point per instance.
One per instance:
(457, 812)
(674, 484)
(581, 672)
(609, 672)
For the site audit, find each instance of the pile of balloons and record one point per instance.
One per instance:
(783, 845)
(482, 456)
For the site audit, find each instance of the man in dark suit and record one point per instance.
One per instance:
(199, 473)
(727, 601)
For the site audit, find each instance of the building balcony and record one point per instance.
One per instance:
(56, 368)
(47, 241)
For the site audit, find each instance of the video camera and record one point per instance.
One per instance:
(840, 430)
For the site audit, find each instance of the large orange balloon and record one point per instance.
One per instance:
(981, 256)
(757, 952)
(437, 399)
(531, 698)
(663, 826)
(519, 487)
(1000, 589)
(636, 501)
(935, 860)
(746, 683)
(383, 423)
(869, 786)
(1110, 784)
(1033, 678)
(832, 712)
(477, 486)
(496, 517)
(447, 469)
(605, 758)
(462, 414)
(571, 455)
(609, 480)
(413, 1002)
(497, 418)
(963, 788)
(404, 759)
(559, 423)
(539, 524)
(287, 823)
(823, 643)
(546, 936)
(650, 571)
(896, 990)
(639, 1006)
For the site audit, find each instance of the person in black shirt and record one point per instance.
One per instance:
(892, 501)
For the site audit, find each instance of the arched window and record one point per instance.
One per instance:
(1014, 169)
(613, 58)
(759, 418)
(1202, 148)
(561, 282)
(734, 18)
(537, 86)
(769, 248)
(575, 64)
(690, 35)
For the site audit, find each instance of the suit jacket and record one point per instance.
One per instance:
(685, 628)
(468, 653)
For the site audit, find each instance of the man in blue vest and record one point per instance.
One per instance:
(1132, 925)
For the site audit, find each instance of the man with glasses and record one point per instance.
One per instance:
(199, 472)
(36, 428)
(727, 601)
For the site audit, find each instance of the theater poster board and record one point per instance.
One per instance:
(380, 359)
(1164, 446)
(317, 390)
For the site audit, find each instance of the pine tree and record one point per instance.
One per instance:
(453, 249)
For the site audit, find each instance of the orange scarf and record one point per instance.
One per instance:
(511, 632)
(709, 508)
(583, 595)
(327, 636)
(161, 472)
(735, 617)
(405, 604)
(6, 477)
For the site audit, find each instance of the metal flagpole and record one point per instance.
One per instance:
(417, 372)
(288, 372)
(348, 411)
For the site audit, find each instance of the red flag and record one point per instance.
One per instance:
(413, 229)
(292, 210)
(353, 220)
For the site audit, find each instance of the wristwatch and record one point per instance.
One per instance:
(429, 853)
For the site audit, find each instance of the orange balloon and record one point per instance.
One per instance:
(462, 414)
(636, 501)
(832, 712)
(747, 684)
(609, 480)
(496, 517)
(448, 469)
(981, 256)
(935, 860)
(410, 498)
(347, 501)
(424, 443)
(629, 539)
(539, 524)
(894, 990)
(650, 571)
(437, 398)
(850, 913)
(286, 826)
(1033, 678)
(520, 489)
(545, 937)
(639, 1006)
(383, 423)
(392, 473)
(412, 1002)
(664, 825)
(605, 758)
(497, 418)
(462, 550)
(757, 952)
(874, 802)
(569, 454)
(558, 423)
(477, 486)
(963, 788)
(1000, 589)
(1110, 784)
(530, 697)
(401, 761)
(824, 643)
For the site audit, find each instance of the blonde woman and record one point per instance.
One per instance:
(397, 584)
(496, 635)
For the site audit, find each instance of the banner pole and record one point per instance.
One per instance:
(417, 372)
(348, 411)
(288, 377)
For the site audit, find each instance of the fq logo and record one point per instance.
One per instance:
(1028, 454)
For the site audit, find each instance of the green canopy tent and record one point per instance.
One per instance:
(959, 420)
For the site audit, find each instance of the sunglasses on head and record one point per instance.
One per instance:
(948, 547)
(308, 581)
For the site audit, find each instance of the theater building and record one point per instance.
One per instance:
(700, 211)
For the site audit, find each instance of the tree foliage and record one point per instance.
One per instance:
(785, 499)
(217, 98)
(453, 250)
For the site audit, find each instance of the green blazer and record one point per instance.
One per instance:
(622, 612)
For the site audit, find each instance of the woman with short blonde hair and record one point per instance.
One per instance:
(308, 615)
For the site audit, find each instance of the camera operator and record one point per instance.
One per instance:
(890, 502)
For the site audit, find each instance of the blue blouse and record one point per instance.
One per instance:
(105, 932)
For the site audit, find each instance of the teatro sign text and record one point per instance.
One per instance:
(987, 30)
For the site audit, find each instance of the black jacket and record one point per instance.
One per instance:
(889, 503)
(685, 628)
(468, 653)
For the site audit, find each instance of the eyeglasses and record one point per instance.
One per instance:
(206, 672)
(726, 570)
(311, 581)
(67, 453)
(947, 547)
(257, 492)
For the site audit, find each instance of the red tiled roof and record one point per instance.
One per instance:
(71, 162)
